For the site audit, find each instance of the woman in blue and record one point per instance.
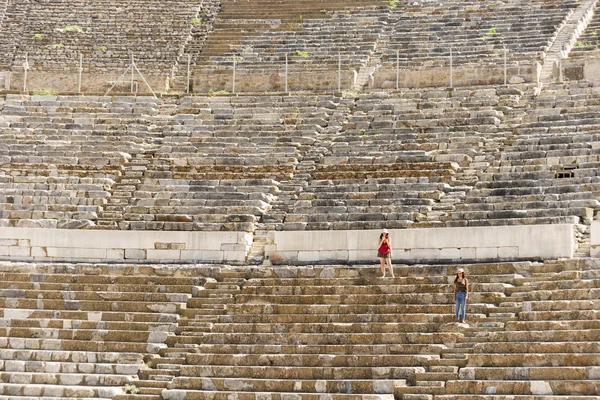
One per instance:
(461, 294)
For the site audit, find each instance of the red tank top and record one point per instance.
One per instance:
(384, 248)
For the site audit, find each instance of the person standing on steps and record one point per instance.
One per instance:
(461, 294)
(384, 252)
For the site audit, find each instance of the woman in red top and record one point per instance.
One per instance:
(384, 252)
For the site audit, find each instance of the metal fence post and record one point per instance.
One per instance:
(397, 69)
(286, 72)
(187, 86)
(451, 67)
(339, 70)
(80, 73)
(26, 68)
(132, 71)
(505, 73)
(233, 82)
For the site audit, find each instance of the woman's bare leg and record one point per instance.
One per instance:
(382, 260)
(389, 262)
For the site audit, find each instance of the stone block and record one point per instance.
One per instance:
(450, 254)
(333, 255)
(39, 252)
(115, 254)
(236, 257)
(487, 253)
(308, 256)
(234, 247)
(215, 255)
(76, 253)
(468, 253)
(192, 255)
(508, 253)
(136, 254)
(152, 254)
(15, 251)
(541, 388)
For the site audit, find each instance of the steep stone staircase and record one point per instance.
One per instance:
(189, 332)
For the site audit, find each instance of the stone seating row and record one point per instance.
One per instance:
(101, 39)
(89, 330)
(468, 27)
(251, 377)
(172, 166)
(588, 41)
(252, 331)
(350, 38)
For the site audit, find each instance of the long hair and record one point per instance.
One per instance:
(464, 277)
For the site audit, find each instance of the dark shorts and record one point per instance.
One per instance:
(384, 255)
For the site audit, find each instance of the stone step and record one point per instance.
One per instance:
(341, 318)
(175, 394)
(37, 391)
(66, 288)
(434, 376)
(320, 339)
(336, 308)
(93, 306)
(303, 373)
(101, 357)
(18, 366)
(307, 360)
(527, 373)
(230, 348)
(87, 325)
(79, 345)
(94, 316)
(512, 397)
(327, 328)
(428, 390)
(554, 387)
(358, 386)
(93, 335)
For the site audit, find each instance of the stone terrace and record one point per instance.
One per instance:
(191, 332)
(55, 33)
(84, 331)
(463, 157)
(588, 44)
(423, 33)
(349, 38)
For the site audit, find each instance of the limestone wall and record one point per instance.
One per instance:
(385, 78)
(595, 239)
(91, 82)
(588, 69)
(414, 245)
(418, 245)
(35, 244)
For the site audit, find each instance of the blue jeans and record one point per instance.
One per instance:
(461, 303)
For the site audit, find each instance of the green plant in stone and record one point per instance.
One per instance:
(72, 28)
(102, 48)
(196, 21)
(131, 389)
(45, 92)
(393, 3)
(218, 93)
(300, 53)
(491, 32)
(38, 36)
(58, 45)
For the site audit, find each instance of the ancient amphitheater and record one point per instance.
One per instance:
(192, 192)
